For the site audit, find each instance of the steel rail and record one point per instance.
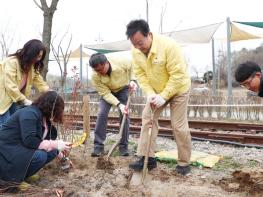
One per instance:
(211, 125)
(166, 131)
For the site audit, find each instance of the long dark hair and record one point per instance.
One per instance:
(51, 104)
(29, 53)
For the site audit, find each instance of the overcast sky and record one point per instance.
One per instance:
(91, 21)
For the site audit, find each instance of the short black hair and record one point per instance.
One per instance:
(246, 70)
(96, 59)
(137, 25)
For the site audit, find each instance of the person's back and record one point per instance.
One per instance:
(10, 138)
(14, 123)
(28, 138)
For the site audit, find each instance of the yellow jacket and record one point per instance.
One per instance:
(10, 80)
(121, 74)
(164, 71)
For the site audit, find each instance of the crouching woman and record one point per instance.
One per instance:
(28, 139)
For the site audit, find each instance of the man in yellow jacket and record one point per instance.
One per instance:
(162, 73)
(112, 78)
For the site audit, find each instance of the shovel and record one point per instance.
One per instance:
(145, 164)
(121, 129)
(138, 178)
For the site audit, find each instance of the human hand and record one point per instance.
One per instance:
(150, 98)
(46, 145)
(123, 109)
(158, 100)
(63, 146)
(60, 155)
(133, 86)
(27, 102)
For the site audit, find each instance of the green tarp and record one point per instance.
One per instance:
(254, 24)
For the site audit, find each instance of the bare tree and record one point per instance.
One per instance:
(195, 70)
(161, 18)
(64, 55)
(48, 12)
(6, 41)
(4, 47)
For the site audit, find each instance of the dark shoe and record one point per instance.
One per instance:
(138, 165)
(183, 170)
(124, 152)
(97, 152)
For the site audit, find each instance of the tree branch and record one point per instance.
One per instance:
(38, 5)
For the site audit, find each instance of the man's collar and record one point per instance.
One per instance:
(260, 93)
(153, 49)
(109, 70)
(154, 44)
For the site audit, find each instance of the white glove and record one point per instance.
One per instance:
(150, 98)
(61, 145)
(27, 102)
(133, 86)
(123, 108)
(158, 100)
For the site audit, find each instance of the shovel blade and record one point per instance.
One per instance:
(136, 179)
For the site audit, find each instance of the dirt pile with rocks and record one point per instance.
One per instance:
(238, 174)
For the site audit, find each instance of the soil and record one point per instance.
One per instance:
(97, 177)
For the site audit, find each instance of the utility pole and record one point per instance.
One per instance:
(147, 11)
(99, 39)
(214, 68)
(229, 72)
(80, 62)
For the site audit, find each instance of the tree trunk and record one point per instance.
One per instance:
(46, 38)
(48, 13)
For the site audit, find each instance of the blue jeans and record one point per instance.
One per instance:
(39, 160)
(4, 117)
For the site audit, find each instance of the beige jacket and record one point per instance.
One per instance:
(10, 80)
(121, 74)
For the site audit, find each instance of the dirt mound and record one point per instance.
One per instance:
(104, 164)
(245, 180)
(98, 177)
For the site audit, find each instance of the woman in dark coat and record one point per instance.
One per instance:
(28, 139)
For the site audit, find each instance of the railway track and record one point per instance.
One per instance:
(242, 133)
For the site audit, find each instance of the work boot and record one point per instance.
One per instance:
(183, 170)
(124, 152)
(138, 165)
(97, 152)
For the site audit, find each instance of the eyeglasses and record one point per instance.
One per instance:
(247, 83)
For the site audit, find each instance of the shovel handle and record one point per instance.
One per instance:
(145, 163)
(121, 129)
